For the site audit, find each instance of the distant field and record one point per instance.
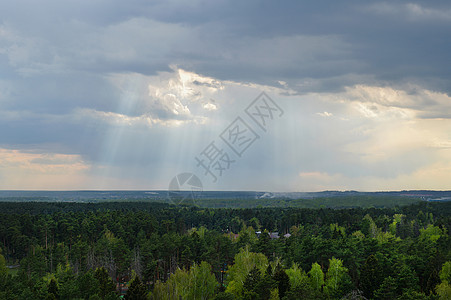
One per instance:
(326, 202)
(236, 199)
(333, 202)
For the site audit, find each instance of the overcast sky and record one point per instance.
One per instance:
(128, 94)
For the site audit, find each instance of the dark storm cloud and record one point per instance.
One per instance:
(242, 40)
(59, 61)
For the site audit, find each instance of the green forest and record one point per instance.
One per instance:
(138, 250)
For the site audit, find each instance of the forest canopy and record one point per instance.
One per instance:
(158, 251)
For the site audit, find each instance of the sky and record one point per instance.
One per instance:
(246, 95)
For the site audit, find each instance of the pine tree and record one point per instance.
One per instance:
(106, 285)
(282, 279)
(387, 290)
(137, 290)
(250, 284)
(53, 289)
(370, 276)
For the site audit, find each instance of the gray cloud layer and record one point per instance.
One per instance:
(76, 74)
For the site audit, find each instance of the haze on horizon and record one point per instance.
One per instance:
(125, 95)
